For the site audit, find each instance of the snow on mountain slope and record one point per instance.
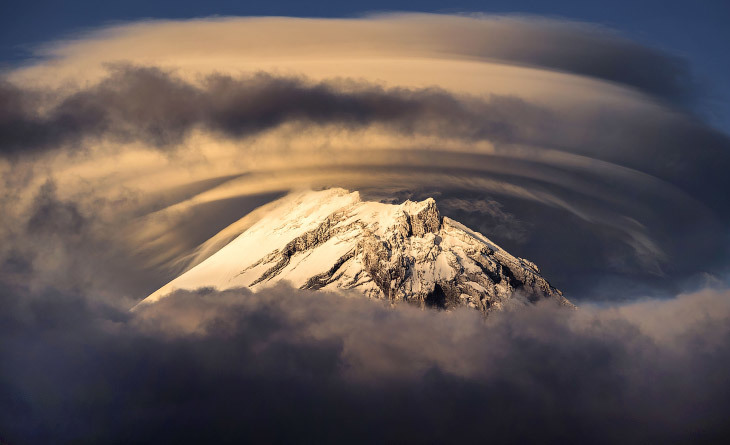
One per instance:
(332, 240)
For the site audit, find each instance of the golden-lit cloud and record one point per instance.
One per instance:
(160, 127)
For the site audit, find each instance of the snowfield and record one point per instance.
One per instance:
(333, 240)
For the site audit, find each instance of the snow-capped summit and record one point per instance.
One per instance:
(333, 240)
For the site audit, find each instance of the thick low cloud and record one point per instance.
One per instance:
(286, 365)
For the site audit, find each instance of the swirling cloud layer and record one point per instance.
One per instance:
(553, 121)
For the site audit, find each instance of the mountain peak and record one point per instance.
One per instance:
(333, 240)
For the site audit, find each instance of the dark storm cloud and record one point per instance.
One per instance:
(286, 365)
(155, 107)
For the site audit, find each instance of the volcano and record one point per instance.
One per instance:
(409, 252)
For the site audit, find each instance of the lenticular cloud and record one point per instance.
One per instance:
(139, 126)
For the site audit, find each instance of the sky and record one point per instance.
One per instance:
(696, 31)
(589, 138)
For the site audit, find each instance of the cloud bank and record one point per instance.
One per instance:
(287, 365)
